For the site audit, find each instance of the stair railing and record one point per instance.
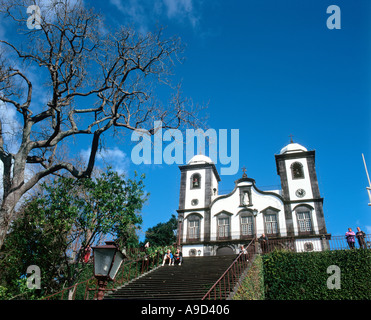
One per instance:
(226, 283)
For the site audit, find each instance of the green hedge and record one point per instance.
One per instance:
(296, 276)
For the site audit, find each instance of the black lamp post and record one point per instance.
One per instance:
(180, 229)
(107, 261)
(255, 214)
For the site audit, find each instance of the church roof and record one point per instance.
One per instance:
(200, 158)
(293, 147)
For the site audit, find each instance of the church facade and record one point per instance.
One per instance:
(214, 224)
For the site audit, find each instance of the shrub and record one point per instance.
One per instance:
(297, 276)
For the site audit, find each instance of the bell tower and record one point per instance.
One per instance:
(198, 187)
(303, 204)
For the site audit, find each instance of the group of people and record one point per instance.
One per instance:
(175, 258)
(351, 238)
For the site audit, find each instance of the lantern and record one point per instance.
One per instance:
(107, 262)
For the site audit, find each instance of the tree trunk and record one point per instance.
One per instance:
(6, 213)
(71, 292)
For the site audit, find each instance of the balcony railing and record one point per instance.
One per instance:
(340, 243)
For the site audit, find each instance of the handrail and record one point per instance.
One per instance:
(234, 270)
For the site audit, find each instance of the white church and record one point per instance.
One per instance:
(217, 224)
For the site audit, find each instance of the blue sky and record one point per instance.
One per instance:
(270, 69)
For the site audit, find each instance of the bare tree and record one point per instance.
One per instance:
(94, 80)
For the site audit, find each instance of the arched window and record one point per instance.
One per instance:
(246, 224)
(195, 181)
(193, 227)
(304, 219)
(223, 225)
(297, 170)
(271, 226)
(270, 223)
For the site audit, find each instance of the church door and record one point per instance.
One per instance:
(224, 251)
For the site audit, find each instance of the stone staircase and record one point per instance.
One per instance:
(190, 281)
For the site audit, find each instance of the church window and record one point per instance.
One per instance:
(247, 226)
(194, 228)
(271, 226)
(304, 221)
(297, 170)
(223, 227)
(270, 218)
(196, 181)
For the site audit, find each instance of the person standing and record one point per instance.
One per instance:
(360, 235)
(263, 243)
(350, 236)
(244, 254)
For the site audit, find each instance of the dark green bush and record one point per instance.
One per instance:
(297, 276)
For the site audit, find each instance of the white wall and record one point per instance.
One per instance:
(231, 205)
(187, 248)
(295, 184)
(300, 244)
(199, 193)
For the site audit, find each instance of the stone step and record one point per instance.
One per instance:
(189, 281)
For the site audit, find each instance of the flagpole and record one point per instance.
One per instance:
(368, 178)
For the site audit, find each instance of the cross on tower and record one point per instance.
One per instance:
(291, 141)
(244, 175)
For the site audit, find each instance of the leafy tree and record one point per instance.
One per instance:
(163, 234)
(69, 215)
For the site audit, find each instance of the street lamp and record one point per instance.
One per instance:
(107, 261)
(180, 228)
(255, 214)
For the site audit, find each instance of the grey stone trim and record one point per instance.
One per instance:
(183, 183)
(208, 191)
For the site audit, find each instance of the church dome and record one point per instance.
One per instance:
(293, 147)
(200, 158)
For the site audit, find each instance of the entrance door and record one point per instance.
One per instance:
(224, 251)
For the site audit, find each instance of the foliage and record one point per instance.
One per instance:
(159, 250)
(163, 234)
(110, 205)
(252, 286)
(61, 222)
(303, 276)
(24, 293)
(4, 295)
